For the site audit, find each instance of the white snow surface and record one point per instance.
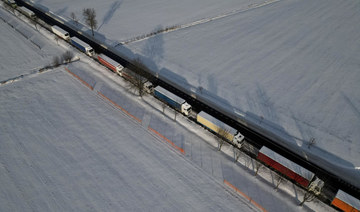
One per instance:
(23, 49)
(65, 148)
(120, 20)
(289, 69)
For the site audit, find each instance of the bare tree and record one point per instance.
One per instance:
(308, 197)
(67, 56)
(56, 61)
(57, 39)
(257, 166)
(163, 105)
(311, 142)
(34, 21)
(139, 75)
(90, 18)
(222, 136)
(175, 114)
(74, 18)
(237, 153)
(278, 180)
(248, 161)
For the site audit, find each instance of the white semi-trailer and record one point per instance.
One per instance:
(60, 32)
(173, 100)
(27, 12)
(84, 47)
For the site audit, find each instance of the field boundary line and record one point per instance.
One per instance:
(167, 140)
(244, 195)
(118, 106)
(81, 80)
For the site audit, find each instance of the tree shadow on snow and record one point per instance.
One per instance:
(110, 13)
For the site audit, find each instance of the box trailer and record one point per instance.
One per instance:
(110, 63)
(215, 125)
(290, 169)
(84, 47)
(60, 32)
(27, 12)
(346, 202)
(173, 100)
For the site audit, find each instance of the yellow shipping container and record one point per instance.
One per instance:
(213, 127)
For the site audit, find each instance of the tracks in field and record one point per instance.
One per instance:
(197, 22)
(37, 71)
(17, 78)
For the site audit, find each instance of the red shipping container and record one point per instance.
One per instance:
(285, 166)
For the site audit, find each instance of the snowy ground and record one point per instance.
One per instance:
(120, 20)
(27, 51)
(288, 67)
(66, 147)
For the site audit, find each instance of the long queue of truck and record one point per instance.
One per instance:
(291, 170)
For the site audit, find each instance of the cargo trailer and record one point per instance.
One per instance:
(173, 100)
(215, 125)
(110, 63)
(346, 202)
(60, 32)
(27, 12)
(81, 45)
(290, 169)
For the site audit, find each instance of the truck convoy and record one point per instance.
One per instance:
(110, 63)
(60, 32)
(173, 100)
(216, 126)
(81, 45)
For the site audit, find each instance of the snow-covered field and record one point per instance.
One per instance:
(65, 147)
(121, 20)
(26, 51)
(289, 67)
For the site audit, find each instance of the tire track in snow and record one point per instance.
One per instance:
(201, 21)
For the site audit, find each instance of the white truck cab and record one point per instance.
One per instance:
(316, 186)
(238, 139)
(89, 51)
(186, 108)
(148, 87)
